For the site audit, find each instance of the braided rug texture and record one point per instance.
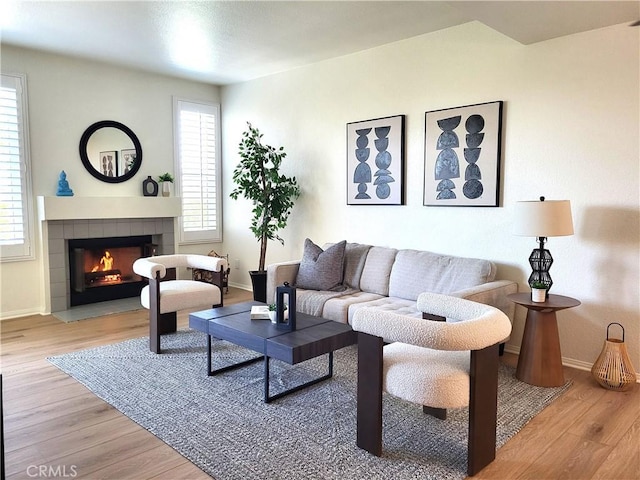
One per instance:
(222, 425)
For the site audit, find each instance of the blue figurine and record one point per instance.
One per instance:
(63, 186)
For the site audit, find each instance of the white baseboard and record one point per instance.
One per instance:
(241, 286)
(19, 314)
(567, 362)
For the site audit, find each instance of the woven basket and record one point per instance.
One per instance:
(613, 368)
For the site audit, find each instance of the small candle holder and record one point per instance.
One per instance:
(286, 322)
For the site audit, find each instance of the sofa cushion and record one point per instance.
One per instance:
(397, 305)
(182, 294)
(355, 255)
(313, 302)
(416, 271)
(337, 308)
(321, 269)
(376, 271)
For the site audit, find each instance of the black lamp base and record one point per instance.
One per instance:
(541, 261)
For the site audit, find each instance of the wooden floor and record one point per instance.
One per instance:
(56, 428)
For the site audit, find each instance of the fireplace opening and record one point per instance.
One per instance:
(102, 268)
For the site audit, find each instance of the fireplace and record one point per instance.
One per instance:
(66, 219)
(102, 268)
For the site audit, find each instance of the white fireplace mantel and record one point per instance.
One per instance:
(80, 208)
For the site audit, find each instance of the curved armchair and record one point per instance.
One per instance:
(165, 295)
(448, 360)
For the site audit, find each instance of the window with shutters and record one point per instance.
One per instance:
(197, 133)
(16, 242)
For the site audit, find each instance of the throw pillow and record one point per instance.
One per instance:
(321, 269)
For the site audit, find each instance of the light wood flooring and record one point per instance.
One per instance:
(54, 423)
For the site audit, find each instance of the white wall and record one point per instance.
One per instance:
(571, 131)
(66, 95)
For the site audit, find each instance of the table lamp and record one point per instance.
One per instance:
(542, 219)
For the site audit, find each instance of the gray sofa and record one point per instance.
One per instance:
(392, 279)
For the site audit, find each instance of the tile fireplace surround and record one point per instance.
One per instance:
(65, 218)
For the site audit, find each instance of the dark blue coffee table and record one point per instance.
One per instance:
(314, 336)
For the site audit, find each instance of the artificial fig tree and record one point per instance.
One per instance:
(258, 179)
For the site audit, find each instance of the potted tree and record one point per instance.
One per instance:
(258, 179)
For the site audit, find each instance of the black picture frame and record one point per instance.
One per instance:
(108, 164)
(376, 179)
(126, 161)
(462, 155)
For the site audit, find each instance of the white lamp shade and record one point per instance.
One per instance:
(549, 218)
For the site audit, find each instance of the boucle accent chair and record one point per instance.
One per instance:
(165, 294)
(451, 362)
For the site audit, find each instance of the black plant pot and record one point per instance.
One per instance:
(259, 282)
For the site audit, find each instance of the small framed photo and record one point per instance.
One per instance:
(462, 156)
(109, 163)
(126, 161)
(375, 161)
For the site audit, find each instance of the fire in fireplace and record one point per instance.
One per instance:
(102, 268)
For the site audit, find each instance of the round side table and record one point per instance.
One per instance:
(540, 360)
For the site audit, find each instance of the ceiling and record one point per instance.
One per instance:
(225, 42)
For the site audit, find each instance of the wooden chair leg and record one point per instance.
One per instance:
(439, 413)
(369, 397)
(159, 325)
(483, 408)
(168, 323)
(154, 333)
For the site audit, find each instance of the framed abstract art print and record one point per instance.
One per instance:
(375, 161)
(462, 156)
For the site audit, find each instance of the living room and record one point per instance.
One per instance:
(570, 131)
(556, 94)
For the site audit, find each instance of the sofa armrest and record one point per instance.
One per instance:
(277, 274)
(492, 293)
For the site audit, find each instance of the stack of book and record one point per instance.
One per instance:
(260, 312)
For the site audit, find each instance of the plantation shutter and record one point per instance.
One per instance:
(199, 171)
(15, 187)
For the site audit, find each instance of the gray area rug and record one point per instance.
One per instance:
(221, 424)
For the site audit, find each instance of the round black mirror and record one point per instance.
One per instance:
(110, 151)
